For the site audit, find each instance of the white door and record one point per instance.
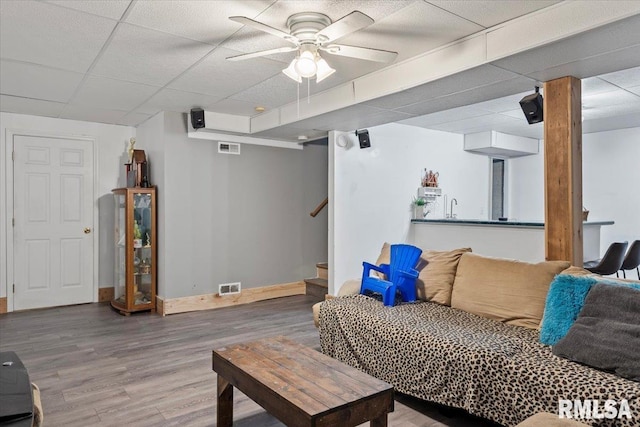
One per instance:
(53, 211)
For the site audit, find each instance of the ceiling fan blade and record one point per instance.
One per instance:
(343, 26)
(261, 53)
(263, 27)
(366, 53)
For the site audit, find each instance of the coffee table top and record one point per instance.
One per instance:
(313, 382)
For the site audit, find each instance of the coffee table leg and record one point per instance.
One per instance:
(381, 421)
(225, 403)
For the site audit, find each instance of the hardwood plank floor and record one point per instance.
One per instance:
(98, 368)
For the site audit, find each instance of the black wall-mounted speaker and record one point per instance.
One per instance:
(197, 118)
(363, 138)
(532, 107)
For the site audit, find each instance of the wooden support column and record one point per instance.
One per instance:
(563, 169)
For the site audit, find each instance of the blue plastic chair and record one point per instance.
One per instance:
(400, 273)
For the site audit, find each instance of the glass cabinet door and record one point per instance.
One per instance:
(121, 249)
(142, 254)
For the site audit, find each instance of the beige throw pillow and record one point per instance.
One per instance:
(437, 271)
(510, 291)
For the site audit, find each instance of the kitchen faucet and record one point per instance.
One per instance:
(451, 215)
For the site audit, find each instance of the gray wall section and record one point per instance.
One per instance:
(231, 218)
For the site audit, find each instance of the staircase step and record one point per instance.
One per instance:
(322, 270)
(316, 286)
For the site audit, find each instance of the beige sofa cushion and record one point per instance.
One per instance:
(350, 287)
(437, 271)
(544, 419)
(510, 291)
(383, 258)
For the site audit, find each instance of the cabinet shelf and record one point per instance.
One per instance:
(135, 237)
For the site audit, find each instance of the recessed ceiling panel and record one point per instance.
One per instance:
(147, 56)
(196, 20)
(112, 94)
(492, 12)
(14, 104)
(37, 82)
(108, 8)
(46, 34)
(215, 75)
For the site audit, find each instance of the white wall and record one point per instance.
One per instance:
(610, 177)
(372, 189)
(110, 142)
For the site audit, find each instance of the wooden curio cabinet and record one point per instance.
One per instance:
(136, 250)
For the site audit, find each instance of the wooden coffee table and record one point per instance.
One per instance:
(298, 385)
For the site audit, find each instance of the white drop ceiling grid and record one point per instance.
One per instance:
(122, 61)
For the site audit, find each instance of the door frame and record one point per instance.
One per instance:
(8, 260)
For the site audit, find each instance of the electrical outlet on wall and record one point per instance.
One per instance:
(229, 288)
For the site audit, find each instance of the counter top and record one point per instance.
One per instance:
(510, 223)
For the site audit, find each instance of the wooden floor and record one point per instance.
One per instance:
(97, 368)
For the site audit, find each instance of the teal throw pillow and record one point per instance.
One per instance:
(565, 299)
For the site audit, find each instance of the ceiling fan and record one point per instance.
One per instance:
(311, 32)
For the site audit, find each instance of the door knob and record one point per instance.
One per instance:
(87, 230)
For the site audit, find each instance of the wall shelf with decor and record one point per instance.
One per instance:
(136, 250)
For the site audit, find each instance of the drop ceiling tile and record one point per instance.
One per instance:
(493, 12)
(205, 21)
(134, 119)
(108, 8)
(412, 30)
(233, 106)
(516, 113)
(147, 56)
(92, 114)
(472, 124)
(625, 78)
(611, 123)
(215, 75)
(611, 110)
(634, 89)
(507, 103)
(522, 129)
(36, 107)
(37, 82)
(600, 41)
(465, 80)
(446, 116)
(469, 96)
(46, 34)
(614, 97)
(175, 100)
(351, 118)
(112, 94)
(276, 91)
(594, 85)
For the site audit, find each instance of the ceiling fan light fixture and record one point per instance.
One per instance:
(291, 72)
(324, 70)
(305, 65)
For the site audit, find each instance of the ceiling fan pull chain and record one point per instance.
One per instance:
(308, 91)
(298, 99)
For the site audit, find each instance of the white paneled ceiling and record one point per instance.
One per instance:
(121, 61)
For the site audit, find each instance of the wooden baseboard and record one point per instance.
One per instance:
(160, 306)
(3, 305)
(105, 294)
(210, 301)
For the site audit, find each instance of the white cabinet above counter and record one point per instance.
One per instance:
(519, 240)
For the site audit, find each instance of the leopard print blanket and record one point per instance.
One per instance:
(496, 371)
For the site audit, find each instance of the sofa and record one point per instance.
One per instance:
(473, 340)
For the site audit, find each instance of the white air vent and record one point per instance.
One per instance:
(229, 288)
(228, 147)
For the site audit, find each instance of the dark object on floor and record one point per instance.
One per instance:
(15, 392)
(610, 262)
(632, 259)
